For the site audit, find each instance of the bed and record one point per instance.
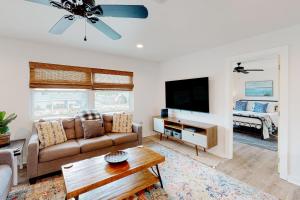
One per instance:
(265, 124)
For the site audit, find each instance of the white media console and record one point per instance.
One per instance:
(197, 133)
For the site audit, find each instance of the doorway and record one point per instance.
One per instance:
(280, 55)
(256, 102)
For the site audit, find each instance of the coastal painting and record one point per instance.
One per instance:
(259, 89)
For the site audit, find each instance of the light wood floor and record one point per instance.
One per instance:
(258, 167)
(189, 150)
(252, 165)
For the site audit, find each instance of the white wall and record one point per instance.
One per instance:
(271, 72)
(14, 78)
(214, 63)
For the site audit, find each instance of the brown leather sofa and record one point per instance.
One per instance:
(50, 159)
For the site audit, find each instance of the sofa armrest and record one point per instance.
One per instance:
(7, 158)
(33, 156)
(137, 128)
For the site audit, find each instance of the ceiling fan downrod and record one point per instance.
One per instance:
(85, 38)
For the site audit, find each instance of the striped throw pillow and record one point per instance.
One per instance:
(50, 133)
(122, 123)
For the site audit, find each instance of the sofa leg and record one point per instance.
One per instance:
(32, 181)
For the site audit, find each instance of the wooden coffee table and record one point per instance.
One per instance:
(118, 181)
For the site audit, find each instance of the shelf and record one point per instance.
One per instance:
(123, 188)
(174, 127)
(205, 135)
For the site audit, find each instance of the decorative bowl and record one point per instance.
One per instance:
(116, 157)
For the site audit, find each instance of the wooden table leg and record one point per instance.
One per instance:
(196, 149)
(161, 136)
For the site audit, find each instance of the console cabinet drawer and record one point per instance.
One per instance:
(158, 125)
(194, 138)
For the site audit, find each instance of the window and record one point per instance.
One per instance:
(58, 102)
(113, 101)
(63, 91)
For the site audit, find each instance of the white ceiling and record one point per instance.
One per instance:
(174, 27)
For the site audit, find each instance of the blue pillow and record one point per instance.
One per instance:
(241, 105)
(260, 107)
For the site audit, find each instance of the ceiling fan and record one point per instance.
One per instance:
(240, 69)
(91, 12)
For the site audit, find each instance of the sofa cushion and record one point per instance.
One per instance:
(121, 138)
(69, 126)
(108, 123)
(78, 128)
(6, 180)
(69, 148)
(93, 144)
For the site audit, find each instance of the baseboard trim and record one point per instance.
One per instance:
(293, 180)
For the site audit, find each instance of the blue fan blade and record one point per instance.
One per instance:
(130, 11)
(62, 25)
(104, 28)
(44, 2)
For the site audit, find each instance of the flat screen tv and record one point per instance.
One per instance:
(189, 94)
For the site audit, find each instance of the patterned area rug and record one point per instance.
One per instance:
(184, 178)
(253, 140)
(53, 188)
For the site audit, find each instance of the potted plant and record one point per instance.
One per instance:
(4, 130)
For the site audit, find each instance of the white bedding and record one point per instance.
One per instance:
(271, 117)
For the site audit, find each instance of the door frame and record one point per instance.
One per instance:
(283, 139)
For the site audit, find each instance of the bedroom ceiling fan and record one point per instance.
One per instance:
(241, 69)
(92, 13)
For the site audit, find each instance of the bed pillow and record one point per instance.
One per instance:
(250, 105)
(272, 107)
(260, 107)
(241, 105)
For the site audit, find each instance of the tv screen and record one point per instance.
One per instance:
(190, 94)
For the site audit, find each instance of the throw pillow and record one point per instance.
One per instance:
(260, 107)
(90, 115)
(122, 123)
(50, 133)
(92, 128)
(69, 125)
(241, 105)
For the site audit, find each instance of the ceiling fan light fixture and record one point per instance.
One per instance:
(93, 14)
(140, 46)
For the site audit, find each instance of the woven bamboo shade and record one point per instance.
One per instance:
(104, 79)
(44, 75)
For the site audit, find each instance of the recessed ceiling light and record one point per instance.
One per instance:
(139, 46)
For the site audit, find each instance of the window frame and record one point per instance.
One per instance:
(131, 102)
(91, 102)
(52, 116)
